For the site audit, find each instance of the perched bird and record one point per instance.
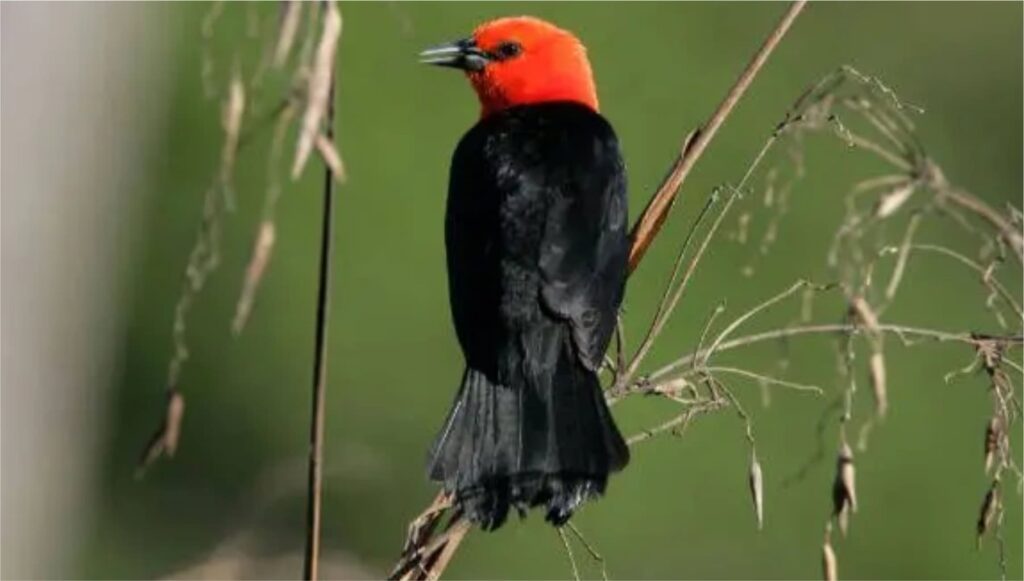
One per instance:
(537, 250)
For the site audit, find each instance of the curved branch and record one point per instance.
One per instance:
(653, 217)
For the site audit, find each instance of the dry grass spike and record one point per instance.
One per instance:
(876, 365)
(756, 480)
(165, 441)
(292, 14)
(990, 507)
(258, 262)
(993, 434)
(318, 89)
(844, 490)
(829, 563)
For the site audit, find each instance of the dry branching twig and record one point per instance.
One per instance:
(868, 116)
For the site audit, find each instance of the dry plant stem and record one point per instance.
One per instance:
(439, 552)
(568, 552)
(654, 215)
(1008, 231)
(650, 222)
(765, 379)
(425, 554)
(316, 432)
(992, 283)
(669, 300)
(263, 247)
(901, 331)
(678, 423)
(448, 551)
(901, 260)
(746, 316)
(590, 550)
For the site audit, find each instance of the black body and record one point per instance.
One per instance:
(537, 262)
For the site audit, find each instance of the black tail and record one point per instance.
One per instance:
(549, 441)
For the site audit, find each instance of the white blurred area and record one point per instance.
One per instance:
(83, 99)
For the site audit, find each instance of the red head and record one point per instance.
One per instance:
(520, 61)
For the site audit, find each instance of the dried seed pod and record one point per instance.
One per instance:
(893, 200)
(672, 386)
(286, 34)
(844, 491)
(989, 508)
(847, 474)
(165, 440)
(878, 384)
(757, 489)
(172, 421)
(318, 91)
(843, 518)
(231, 122)
(254, 274)
(830, 567)
(331, 157)
(993, 432)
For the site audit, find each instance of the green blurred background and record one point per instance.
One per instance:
(682, 509)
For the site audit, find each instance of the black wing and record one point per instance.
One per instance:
(585, 248)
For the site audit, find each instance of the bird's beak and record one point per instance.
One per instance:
(462, 54)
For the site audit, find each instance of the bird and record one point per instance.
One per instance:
(537, 250)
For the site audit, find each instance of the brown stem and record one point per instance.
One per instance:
(1008, 231)
(316, 431)
(657, 209)
(901, 331)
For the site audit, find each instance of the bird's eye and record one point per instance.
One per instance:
(508, 49)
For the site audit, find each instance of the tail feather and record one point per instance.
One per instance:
(548, 441)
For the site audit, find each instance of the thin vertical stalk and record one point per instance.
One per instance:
(316, 430)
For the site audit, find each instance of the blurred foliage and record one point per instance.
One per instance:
(682, 508)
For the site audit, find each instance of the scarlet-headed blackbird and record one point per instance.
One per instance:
(537, 249)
